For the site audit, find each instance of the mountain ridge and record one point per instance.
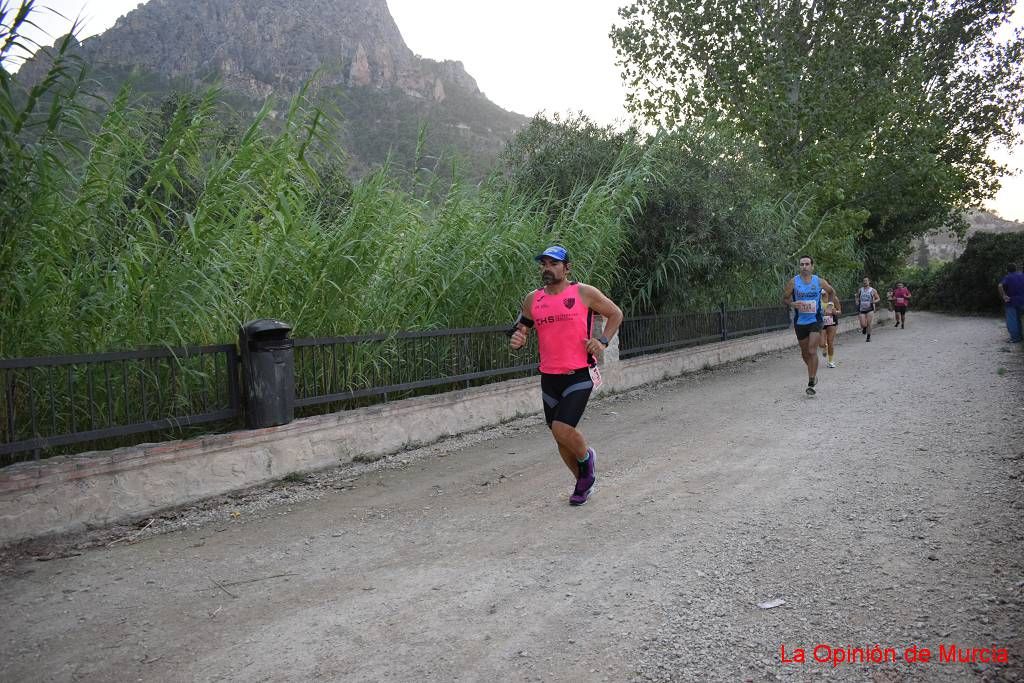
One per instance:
(944, 246)
(352, 50)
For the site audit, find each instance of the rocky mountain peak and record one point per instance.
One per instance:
(351, 49)
(263, 46)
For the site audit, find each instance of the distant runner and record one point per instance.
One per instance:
(900, 301)
(867, 299)
(829, 326)
(562, 313)
(803, 295)
(821, 337)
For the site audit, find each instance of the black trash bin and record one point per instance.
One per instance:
(268, 372)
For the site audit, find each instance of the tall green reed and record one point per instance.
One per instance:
(168, 235)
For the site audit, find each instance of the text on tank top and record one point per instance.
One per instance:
(563, 328)
(807, 298)
(867, 298)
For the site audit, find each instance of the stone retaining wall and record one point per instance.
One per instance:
(69, 493)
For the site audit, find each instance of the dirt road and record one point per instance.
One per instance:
(888, 511)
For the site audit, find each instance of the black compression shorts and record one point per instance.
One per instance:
(804, 331)
(565, 396)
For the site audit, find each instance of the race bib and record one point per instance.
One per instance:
(805, 306)
(595, 377)
(901, 301)
(828, 320)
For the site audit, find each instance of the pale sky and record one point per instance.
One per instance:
(527, 56)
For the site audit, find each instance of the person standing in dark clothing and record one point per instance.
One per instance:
(1011, 290)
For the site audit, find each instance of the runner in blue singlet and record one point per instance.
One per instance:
(803, 294)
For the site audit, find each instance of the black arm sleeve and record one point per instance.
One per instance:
(520, 320)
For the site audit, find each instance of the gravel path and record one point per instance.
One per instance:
(886, 511)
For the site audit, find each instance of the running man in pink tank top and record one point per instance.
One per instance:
(562, 311)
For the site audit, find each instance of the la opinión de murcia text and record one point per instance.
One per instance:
(837, 655)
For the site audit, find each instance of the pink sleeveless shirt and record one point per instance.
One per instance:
(563, 328)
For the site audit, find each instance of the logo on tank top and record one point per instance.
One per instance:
(570, 302)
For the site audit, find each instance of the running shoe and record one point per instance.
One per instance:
(863, 330)
(831, 364)
(582, 492)
(810, 386)
(869, 338)
(897, 324)
(585, 484)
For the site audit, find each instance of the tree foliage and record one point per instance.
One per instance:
(557, 155)
(707, 228)
(885, 107)
(710, 223)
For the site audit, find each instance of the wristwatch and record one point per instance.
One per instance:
(603, 340)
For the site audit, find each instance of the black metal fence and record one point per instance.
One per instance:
(657, 333)
(47, 404)
(341, 370)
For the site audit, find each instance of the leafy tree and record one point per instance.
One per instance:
(706, 226)
(559, 155)
(886, 107)
(707, 229)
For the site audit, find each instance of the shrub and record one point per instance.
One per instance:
(968, 285)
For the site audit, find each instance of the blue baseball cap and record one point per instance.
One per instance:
(556, 252)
